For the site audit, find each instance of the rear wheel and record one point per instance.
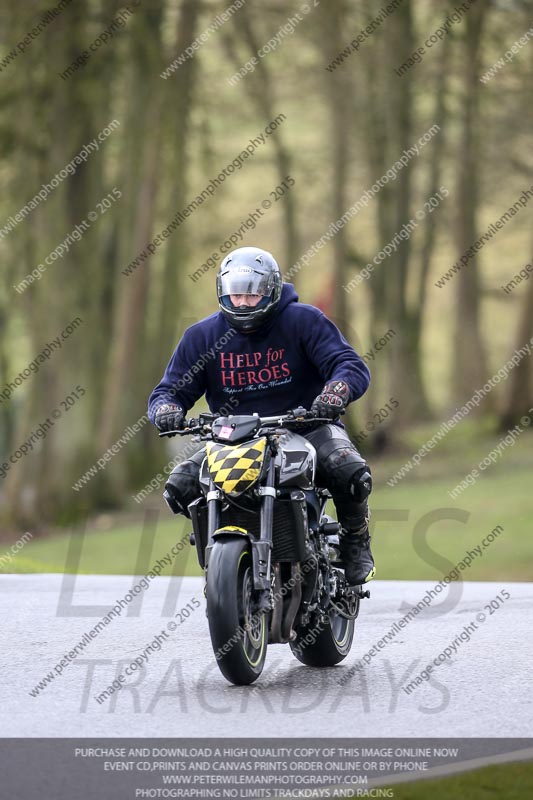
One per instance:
(324, 643)
(238, 633)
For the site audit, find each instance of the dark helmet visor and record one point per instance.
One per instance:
(245, 281)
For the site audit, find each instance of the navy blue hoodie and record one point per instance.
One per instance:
(283, 365)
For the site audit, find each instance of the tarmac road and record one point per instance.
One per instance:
(482, 689)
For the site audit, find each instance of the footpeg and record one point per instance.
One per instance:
(357, 593)
(330, 528)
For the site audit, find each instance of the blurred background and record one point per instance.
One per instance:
(334, 117)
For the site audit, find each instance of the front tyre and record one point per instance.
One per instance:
(325, 643)
(238, 634)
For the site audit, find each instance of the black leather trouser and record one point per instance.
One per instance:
(340, 468)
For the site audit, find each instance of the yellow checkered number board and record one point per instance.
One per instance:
(234, 468)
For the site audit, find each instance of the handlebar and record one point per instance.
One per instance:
(297, 417)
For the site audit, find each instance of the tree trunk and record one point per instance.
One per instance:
(259, 87)
(519, 386)
(338, 89)
(405, 357)
(470, 362)
(131, 291)
(161, 333)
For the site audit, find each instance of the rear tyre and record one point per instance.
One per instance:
(238, 635)
(324, 644)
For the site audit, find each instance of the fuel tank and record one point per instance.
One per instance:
(296, 461)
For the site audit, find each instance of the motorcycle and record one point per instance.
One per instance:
(270, 552)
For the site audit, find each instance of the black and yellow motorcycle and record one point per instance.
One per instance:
(269, 551)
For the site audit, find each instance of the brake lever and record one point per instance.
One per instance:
(183, 431)
(302, 414)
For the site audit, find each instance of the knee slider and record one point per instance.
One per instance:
(340, 466)
(361, 484)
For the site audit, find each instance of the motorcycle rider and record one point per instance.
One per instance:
(271, 353)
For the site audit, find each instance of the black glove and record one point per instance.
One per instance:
(333, 399)
(169, 417)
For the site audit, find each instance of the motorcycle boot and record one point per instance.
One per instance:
(356, 556)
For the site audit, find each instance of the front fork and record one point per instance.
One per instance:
(262, 547)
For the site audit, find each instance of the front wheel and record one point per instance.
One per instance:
(325, 642)
(238, 632)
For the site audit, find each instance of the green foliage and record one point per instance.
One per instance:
(503, 782)
(502, 497)
(343, 130)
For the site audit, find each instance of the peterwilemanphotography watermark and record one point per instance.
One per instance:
(46, 19)
(219, 20)
(106, 35)
(390, 175)
(183, 214)
(284, 31)
(248, 224)
(40, 359)
(136, 590)
(47, 188)
(40, 432)
(7, 558)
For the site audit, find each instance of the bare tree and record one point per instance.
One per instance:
(260, 89)
(470, 362)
